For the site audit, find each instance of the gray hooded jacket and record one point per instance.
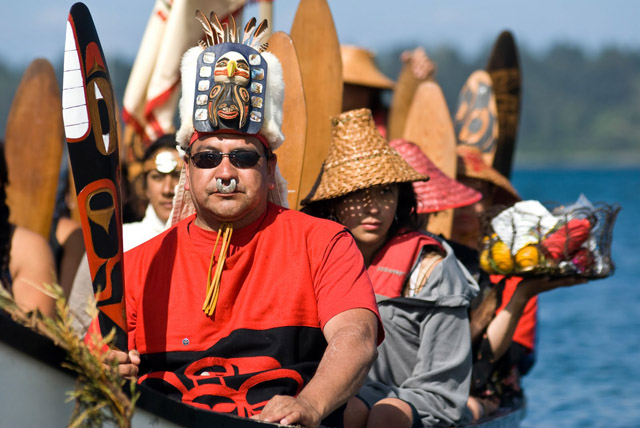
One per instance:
(425, 358)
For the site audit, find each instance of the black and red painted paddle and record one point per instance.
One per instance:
(89, 115)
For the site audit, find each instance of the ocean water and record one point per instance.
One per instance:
(587, 372)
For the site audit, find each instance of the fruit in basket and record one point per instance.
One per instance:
(484, 261)
(583, 260)
(566, 239)
(501, 260)
(527, 257)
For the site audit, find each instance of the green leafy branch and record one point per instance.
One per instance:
(100, 390)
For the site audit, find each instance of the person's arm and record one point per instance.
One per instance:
(69, 235)
(351, 349)
(501, 328)
(31, 265)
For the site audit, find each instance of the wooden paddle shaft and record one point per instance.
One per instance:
(316, 41)
(294, 118)
(429, 127)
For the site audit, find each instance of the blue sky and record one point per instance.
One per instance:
(34, 28)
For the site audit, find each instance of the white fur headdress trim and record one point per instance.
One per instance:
(274, 97)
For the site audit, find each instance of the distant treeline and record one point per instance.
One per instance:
(576, 108)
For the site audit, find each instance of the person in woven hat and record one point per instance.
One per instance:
(364, 83)
(161, 166)
(505, 347)
(233, 307)
(366, 185)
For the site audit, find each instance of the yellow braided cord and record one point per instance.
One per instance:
(213, 284)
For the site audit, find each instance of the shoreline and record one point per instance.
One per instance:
(594, 161)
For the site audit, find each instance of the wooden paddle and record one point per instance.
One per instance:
(90, 126)
(476, 119)
(504, 70)
(401, 101)
(316, 42)
(429, 126)
(403, 94)
(294, 119)
(33, 148)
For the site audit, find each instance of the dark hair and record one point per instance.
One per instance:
(406, 212)
(166, 141)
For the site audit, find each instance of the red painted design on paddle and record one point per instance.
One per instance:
(105, 297)
(93, 61)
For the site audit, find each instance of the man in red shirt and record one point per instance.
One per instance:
(246, 307)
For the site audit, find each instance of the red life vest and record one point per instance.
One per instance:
(392, 264)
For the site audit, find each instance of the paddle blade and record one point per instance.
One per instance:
(429, 127)
(294, 119)
(504, 69)
(476, 119)
(33, 148)
(89, 114)
(405, 90)
(316, 42)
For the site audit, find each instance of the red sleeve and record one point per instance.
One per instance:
(132, 282)
(525, 333)
(342, 282)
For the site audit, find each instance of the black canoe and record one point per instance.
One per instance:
(34, 385)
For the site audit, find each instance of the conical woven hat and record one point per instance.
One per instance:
(359, 68)
(440, 192)
(359, 158)
(471, 164)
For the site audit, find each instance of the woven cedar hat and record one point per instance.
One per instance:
(359, 158)
(359, 68)
(471, 165)
(440, 192)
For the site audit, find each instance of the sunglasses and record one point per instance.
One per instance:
(238, 158)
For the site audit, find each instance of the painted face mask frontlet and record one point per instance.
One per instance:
(230, 80)
(230, 188)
